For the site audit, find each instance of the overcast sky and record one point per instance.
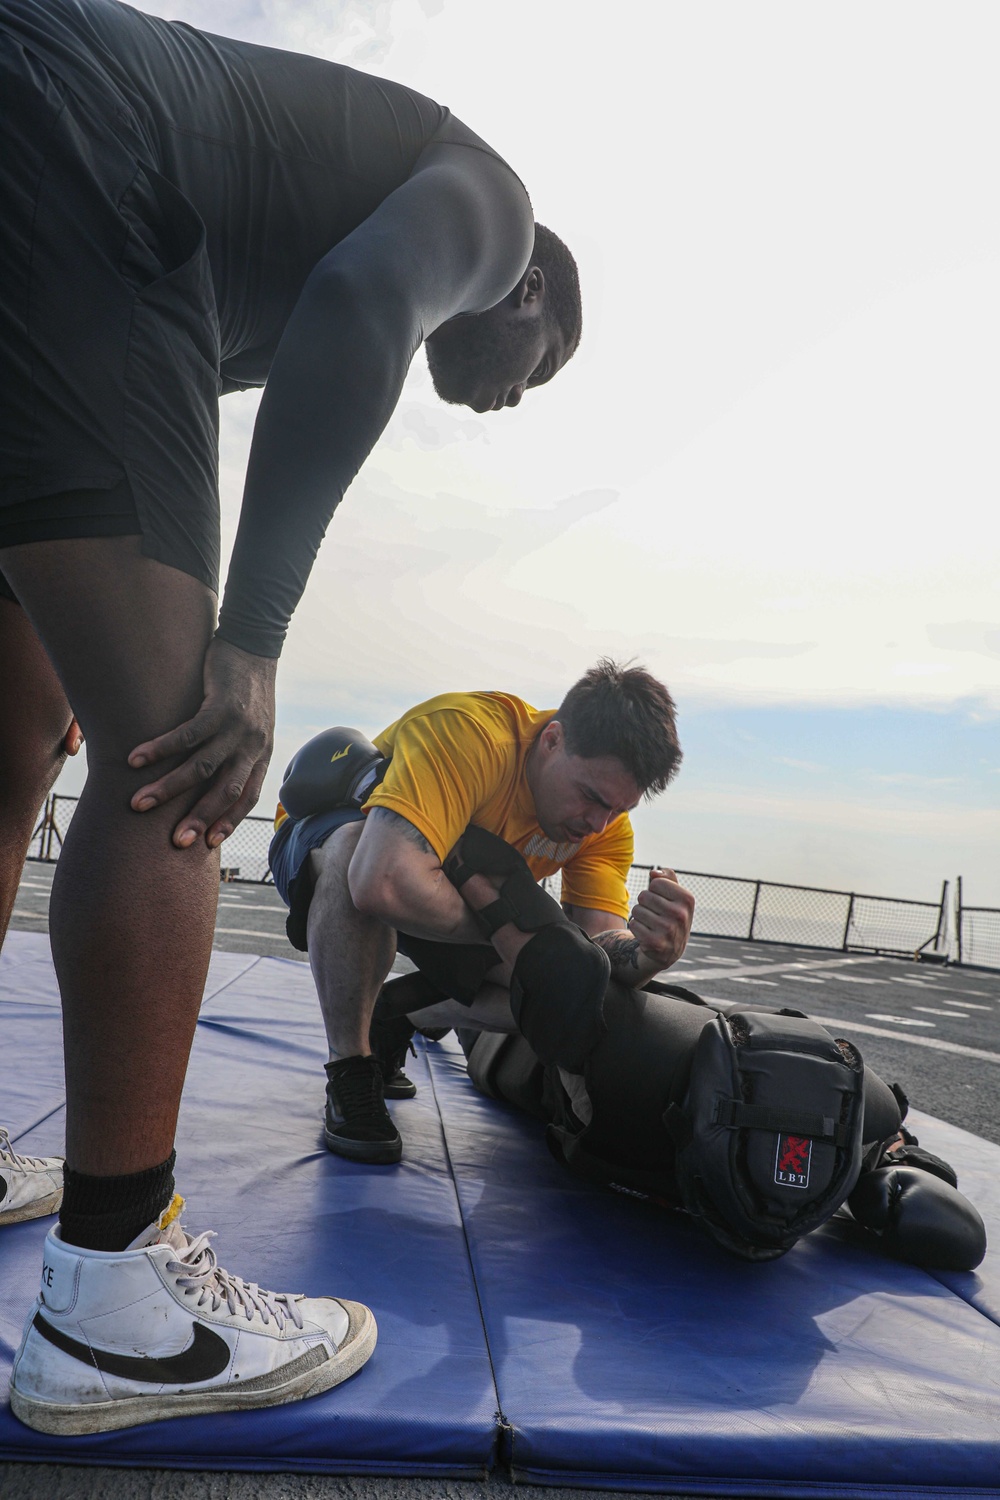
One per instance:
(771, 471)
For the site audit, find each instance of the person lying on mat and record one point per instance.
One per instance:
(758, 1124)
(362, 839)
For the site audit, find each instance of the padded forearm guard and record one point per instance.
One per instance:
(521, 900)
(560, 976)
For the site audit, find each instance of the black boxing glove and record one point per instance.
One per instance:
(920, 1218)
(337, 768)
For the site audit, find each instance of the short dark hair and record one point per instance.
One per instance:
(624, 711)
(562, 286)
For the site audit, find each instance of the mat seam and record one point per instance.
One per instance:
(41, 1119)
(502, 1424)
(207, 999)
(967, 1301)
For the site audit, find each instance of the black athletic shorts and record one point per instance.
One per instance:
(109, 344)
(458, 969)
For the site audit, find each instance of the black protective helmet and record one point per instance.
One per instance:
(769, 1138)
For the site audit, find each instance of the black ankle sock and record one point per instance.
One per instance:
(108, 1213)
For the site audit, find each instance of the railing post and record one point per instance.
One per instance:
(753, 911)
(941, 915)
(39, 832)
(958, 916)
(50, 818)
(847, 924)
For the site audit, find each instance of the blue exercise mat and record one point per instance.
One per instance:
(629, 1352)
(252, 1165)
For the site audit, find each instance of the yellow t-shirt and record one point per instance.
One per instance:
(459, 759)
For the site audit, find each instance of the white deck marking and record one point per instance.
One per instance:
(248, 932)
(253, 905)
(806, 979)
(966, 1005)
(772, 984)
(936, 1043)
(897, 1020)
(929, 1010)
(788, 969)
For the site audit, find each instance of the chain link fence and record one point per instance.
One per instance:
(244, 854)
(764, 911)
(977, 933)
(726, 906)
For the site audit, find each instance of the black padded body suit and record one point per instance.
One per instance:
(640, 1067)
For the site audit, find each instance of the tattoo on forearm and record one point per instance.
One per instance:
(403, 826)
(622, 949)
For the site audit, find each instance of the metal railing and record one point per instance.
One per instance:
(767, 911)
(977, 933)
(727, 906)
(244, 854)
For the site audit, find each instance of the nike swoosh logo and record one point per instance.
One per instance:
(206, 1356)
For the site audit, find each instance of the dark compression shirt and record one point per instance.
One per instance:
(346, 218)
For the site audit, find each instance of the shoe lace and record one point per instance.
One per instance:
(199, 1273)
(9, 1155)
(358, 1091)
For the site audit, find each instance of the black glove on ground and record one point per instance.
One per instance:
(920, 1218)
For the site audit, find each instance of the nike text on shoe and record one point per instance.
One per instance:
(358, 1124)
(161, 1330)
(30, 1186)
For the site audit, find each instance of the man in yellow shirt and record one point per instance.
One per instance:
(365, 874)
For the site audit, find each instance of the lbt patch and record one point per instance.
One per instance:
(792, 1161)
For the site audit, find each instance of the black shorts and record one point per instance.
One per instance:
(109, 346)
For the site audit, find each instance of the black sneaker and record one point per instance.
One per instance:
(358, 1124)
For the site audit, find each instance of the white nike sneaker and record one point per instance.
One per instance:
(160, 1330)
(30, 1186)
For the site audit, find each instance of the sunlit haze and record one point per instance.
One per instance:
(771, 471)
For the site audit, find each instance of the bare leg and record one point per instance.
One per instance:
(34, 716)
(350, 953)
(131, 916)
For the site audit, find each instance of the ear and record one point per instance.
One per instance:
(552, 736)
(530, 289)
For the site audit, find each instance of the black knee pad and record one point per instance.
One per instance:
(557, 994)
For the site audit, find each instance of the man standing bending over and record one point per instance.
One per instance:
(556, 785)
(183, 215)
